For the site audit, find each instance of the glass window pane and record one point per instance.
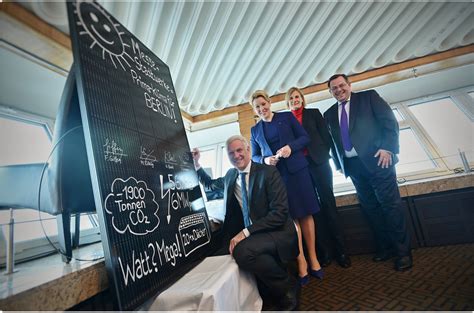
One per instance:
(471, 94)
(23, 142)
(226, 165)
(337, 177)
(449, 128)
(398, 116)
(208, 160)
(412, 157)
(27, 224)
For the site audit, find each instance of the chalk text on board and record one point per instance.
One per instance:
(177, 199)
(194, 232)
(145, 262)
(147, 158)
(132, 207)
(113, 152)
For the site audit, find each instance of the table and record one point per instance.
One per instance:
(216, 284)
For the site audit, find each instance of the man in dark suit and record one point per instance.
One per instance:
(365, 132)
(257, 229)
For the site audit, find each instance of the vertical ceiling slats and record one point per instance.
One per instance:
(456, 31)
(251, 58)
(323, 45)
(271, 53)
(289, 70)
(212, 67)
(400, 34)
(195, 48)
(351, 32)
(220, 51)
(376, 33)
(416, 32)
(202, 55)
(171, 36)
(230, 64)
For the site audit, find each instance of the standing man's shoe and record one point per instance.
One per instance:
(403, 263)
(344, 261)
(290, 301)
(381, 256)
(324, 259)
(325, 262)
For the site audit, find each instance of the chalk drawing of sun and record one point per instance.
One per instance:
(102, 30)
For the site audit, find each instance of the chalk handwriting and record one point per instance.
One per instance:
(132, 207)
(177, 199)
(113, 152)
(194, 232)
(170, 160)
(146, 262)
(147, 158)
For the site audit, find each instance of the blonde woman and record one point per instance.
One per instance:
(317, 155)
(279, 140)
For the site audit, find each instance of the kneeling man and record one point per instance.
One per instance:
(257, 229)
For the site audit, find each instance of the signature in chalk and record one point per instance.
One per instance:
(147, 158)
(113, 152)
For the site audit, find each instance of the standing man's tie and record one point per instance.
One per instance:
(346, 139)
(245, 200)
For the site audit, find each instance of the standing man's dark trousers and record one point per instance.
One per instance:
(328, 227)
(380, 200)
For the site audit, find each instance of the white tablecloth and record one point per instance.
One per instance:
(216, 284)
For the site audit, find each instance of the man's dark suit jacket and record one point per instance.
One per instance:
(317, 129)
(268, 205)
(372, 126)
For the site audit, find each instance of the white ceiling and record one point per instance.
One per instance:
(219, 52)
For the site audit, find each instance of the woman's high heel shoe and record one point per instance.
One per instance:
(303, 280)
(319, 274)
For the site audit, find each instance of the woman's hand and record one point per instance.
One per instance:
(271, 160)
(284, 152)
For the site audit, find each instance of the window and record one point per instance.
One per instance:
(23, 141)
(226, 165)
(471, 94)
(448, 127)
(412, 157)
(208, 160)
(398, 116)
(339, 180)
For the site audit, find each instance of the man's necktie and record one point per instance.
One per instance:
(346, 139)
(245, 200)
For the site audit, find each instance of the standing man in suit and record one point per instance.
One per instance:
(257, 229)
(365, 132)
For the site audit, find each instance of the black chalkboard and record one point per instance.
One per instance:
(152, 216)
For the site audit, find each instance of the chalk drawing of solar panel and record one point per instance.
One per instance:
(194, 232)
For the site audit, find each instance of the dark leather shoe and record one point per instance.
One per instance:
(290, 301)
(381, 256)
(344, 261)
(324, 262)
(403, 263)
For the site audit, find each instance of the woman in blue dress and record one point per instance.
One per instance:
(278, 139)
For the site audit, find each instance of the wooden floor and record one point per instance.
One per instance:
(442, 279)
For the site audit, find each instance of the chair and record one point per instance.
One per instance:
(66, 187)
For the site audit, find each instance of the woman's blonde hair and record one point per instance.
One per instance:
(288, 95)
(259, 93)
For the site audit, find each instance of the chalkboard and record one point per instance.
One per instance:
(153, 222)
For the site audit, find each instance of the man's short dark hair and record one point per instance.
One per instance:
(333, 77)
